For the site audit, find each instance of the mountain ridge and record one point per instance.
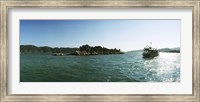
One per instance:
(174, 49)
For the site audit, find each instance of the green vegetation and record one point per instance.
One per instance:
(97, 50)
(82, 50)
(45, 49)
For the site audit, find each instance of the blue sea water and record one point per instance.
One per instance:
(128, 67)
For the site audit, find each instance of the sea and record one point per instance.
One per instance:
(128, 67)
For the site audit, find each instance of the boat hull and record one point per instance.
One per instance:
(150, 55)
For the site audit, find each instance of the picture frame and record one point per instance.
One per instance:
(7, 4)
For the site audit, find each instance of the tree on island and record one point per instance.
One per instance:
(45, 49)
(82, 50)
(97, 50)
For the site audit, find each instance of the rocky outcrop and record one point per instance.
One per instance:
(97, 50)
(58, 54)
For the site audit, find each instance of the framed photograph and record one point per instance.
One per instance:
(62, 50)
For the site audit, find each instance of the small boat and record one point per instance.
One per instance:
(149, 52)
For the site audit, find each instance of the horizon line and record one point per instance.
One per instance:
(94, 46)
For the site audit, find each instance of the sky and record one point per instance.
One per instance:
(126, 35)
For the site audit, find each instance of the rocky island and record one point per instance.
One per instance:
(96, 50)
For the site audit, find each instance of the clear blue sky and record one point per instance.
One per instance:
(126, 35)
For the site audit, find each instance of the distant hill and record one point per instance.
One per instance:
(175, 50)
(82, 50)
(136, 50)
(44, 49)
